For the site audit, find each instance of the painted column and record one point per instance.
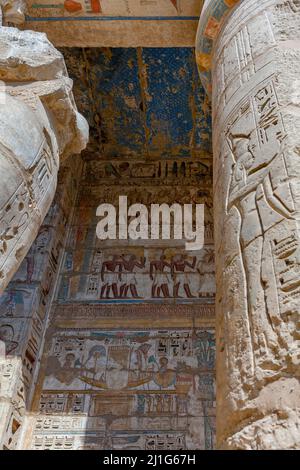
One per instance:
(252, 52)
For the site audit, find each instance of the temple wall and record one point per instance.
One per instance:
(24, 310)
(129, 358)
(40, 128)
(110, 344)
(129, 354)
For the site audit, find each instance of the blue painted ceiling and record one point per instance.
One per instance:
(141, 102)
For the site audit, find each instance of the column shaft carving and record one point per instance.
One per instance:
(256, 127)
(39, 126)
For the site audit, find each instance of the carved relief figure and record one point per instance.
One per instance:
(119, 276)
(264, 198)
(7, 337)
(110, 276)
(179, 264)
(206, 270)
(160, 277)
(130, 262)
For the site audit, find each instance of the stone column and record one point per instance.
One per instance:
(39, 126)
(252, 53)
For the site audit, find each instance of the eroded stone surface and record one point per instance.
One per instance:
(24, 310)
(12, 11)
(256, 117)
(39, 126)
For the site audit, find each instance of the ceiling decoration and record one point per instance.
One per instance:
(141, 102)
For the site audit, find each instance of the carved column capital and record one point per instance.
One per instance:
(212, 17)
(39, 126)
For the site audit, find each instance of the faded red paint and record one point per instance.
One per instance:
(72, 7)
(175, 3)
(96, 6)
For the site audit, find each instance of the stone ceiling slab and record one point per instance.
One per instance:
(141, 102)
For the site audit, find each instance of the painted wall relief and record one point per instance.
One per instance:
(140, 273)
(128, 359)
(135, 271)
(135, 389)
(115, 8)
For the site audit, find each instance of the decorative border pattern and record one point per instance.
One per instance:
(210, 23)
(93, 10)
(112, 18)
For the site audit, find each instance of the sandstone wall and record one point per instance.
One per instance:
(128, 361)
